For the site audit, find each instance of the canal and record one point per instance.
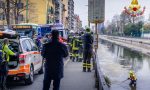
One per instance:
(116, 62)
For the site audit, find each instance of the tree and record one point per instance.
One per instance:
(12, 10)
(19, 7)
(133, 30)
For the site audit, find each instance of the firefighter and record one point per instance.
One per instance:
(6, 52)
(70, 38)
(87, 50)
(80, 47)
(75, 48)
(132, 78)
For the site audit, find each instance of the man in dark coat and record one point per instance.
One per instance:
(54, 52)
(87, 50)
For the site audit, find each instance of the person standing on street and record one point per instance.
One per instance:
(70, 38)
(54, 52)
(81, 47)
(87, 50)
(6, 52)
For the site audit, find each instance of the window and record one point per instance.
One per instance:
(20, 5)
(33, 46)
(24, 45)
(2, 4)
(2, 16)
(20, 17)
(28, 45)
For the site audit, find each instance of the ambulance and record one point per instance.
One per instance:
(28, 61)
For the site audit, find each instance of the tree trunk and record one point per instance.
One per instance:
(8, 12)
(16, 11)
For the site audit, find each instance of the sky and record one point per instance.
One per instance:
(112, 7)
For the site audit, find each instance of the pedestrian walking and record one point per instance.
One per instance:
(87, 50)
(54, 52)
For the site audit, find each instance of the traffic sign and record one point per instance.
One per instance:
(96, 11)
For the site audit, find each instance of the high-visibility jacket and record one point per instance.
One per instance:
(132, 77)
(70, 38)
(6, 52)
(81, 41)
(75, 45)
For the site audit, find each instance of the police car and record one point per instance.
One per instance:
(27, 62)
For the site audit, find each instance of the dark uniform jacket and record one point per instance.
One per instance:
(1, 53)
(54, 52)
(88, 42)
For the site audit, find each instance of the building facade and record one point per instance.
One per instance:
(77, 23)
(29, 11)
(65, 13)
(71, 15)
(40, 12)
(51, 11)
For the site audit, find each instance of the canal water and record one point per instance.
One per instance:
(116, 62)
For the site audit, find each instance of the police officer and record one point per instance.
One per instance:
(75, 48)
(54, 52)
(88, 49)
(6, 52)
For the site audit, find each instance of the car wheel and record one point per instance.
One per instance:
(30, 79)
(42, 69)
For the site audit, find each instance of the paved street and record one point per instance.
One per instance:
(74, 79)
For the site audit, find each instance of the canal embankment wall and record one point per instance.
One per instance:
(140, 45)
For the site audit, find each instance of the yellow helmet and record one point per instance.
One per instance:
(131, 72)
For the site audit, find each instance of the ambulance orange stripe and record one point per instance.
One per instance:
(22, 69)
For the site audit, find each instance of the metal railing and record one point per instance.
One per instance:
(100, 82)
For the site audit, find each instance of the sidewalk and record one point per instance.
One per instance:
(75, 79)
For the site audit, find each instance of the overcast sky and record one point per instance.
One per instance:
(112, 7)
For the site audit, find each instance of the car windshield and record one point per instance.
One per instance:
(26, 32)
(45, 30)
